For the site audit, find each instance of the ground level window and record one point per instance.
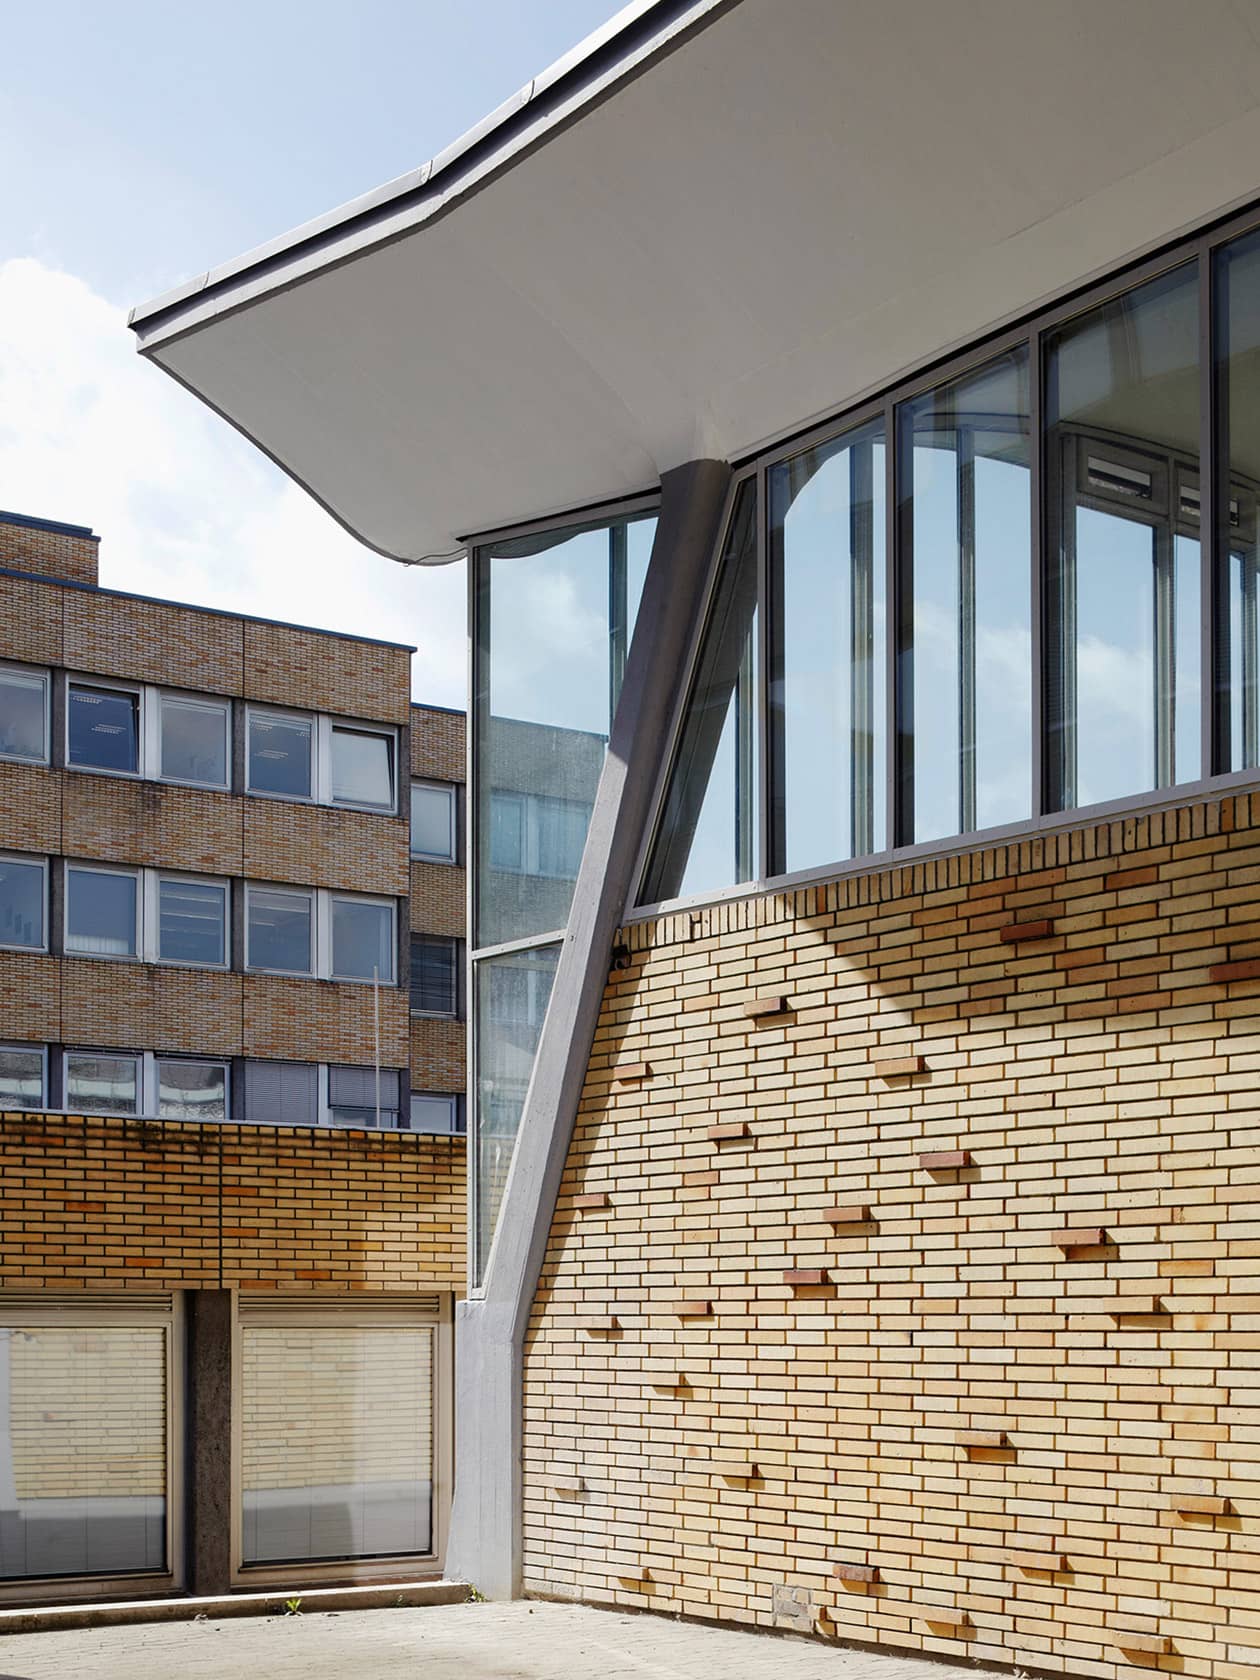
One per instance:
(85, 1438)
(337, 1433)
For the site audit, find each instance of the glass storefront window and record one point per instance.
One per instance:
(965, 654)
(708, 833)
(512, 993)
(83, 1449)
(828, 789)
(1122, 574)
(337, 1441)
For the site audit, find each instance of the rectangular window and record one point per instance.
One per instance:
(1122, 429)
(22, 1076)
(279, 755)
(507, 832)
(85, 1440)
(98, 1082)
(190, 1090)
(362, 768)
(433, 821)
(23, 902)
(350, 1474)
(363, 940)
(435, 1111)
(281, 1094)
(279, 925)
(434, 975)
(23, 714)
(965, 638)
(353, 1093)
(828, 627)
(194, 743)
(102, 911)
(103, 728)
(192, 921)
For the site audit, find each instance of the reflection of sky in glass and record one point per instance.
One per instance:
(1115, 655)
(815, 690)
(549, 635)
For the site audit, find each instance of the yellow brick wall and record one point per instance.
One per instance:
(72, 554)
(87, 1202)
(957, 1389)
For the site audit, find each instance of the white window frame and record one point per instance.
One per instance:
(151, 917)
(149, 698)
(135, 1056)
(451, 790)
(152, 702)
(44, 676)
(80, 679)
(322, 727)
(152, 1089)
(324, 918)
(42, 864)
(310, 895)
(452, 1014)
(26, 1049)
(322, 900)
(90, 868)
(451, 1098)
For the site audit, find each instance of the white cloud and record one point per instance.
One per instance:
(185, 508)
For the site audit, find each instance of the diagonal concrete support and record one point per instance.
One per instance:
(485, 1544)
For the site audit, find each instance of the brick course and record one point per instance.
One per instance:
(71, 552)
(437, 744)
(956, 1388)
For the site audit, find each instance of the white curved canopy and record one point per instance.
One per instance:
(710, 224)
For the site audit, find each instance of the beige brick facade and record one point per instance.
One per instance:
(50, 548)
(437, 744)
(913, 1270)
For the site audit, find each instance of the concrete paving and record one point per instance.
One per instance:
(450, 1642)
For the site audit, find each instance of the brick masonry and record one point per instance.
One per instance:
(89, 1203)
(63, 551)
(960, 1392)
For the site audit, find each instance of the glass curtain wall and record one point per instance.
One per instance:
(553, 617)
(1033, 554)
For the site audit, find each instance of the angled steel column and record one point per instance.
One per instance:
(485, 1545)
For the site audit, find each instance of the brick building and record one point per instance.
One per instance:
(232, 1074)
(850, 412)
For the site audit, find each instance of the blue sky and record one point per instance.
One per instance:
(143, 143)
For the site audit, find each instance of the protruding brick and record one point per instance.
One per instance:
(1019, 933)
(1085, 1236)
(1049, 1562)
(768, 1003)
(1226, 973)
(981, 1440)
(592, 1199)
(629, 1072)
(864, 1572)
(802, 1276)
(945, 1160)
(597, 1325)
(567, 1490)
(697, 1180)
(1148, 1644)
(856, 1213)
(693, 1309)
(729, 1132)
(1200, 1505)
(733, 1469)
(898, 1067)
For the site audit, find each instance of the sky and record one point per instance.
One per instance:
(142, 143)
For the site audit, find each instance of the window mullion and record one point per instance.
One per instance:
(1214, 643)
(965, 469)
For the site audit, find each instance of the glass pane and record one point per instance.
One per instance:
(512, 996)
(433, 975)
(827, 680)
(194, 742)
(101, 1084)
(363, 941)
(280, 755)
(362, 768)
(103, 728)
(432, 821)
(279, 930)
(1238, 373)
(336, 1442)
(552, 632)
(432, 1113)
(100, 913)
(84, 1436)
(21, 903)
(192, 922)
(23, 715)
(1122, 414)
(966, 544)
(192, 1090)
(708, 837)
(21, 1077)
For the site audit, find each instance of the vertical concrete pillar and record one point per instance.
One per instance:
(485, 1545)
(208, 1433)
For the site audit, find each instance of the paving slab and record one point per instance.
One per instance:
(447, 1642)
